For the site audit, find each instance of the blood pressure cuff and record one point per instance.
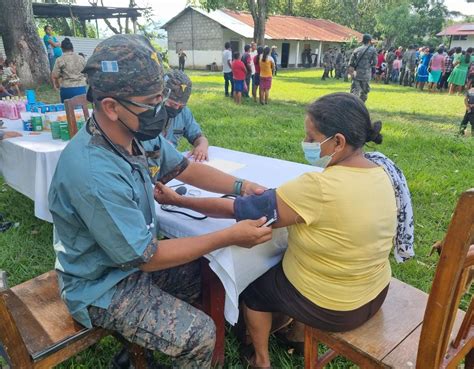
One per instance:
(256, 206)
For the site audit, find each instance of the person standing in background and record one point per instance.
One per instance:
(227, 70)
(362, 60)
(253, 54)
(67, 74)
(181, 59)
(247, 60)
(53, 47)
(274, 55)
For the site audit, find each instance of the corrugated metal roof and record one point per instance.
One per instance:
(279, 27)
(285, 27)
(458, 29)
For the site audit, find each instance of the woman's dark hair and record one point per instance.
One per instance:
(451, 52)
(441, 50)
(432, 49)
(467, 57)
(259, 51)
(346, 114)
(266, 52)
(458, 49)
(66, 45)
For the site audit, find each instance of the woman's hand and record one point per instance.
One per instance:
(248, 233)
(200, 153)
(252, 188)
(165, 195)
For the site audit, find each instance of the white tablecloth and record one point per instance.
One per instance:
(237, 267)
(27, 164)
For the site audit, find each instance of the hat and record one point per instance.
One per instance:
(274, 47)
(123, 66)
(179, 84)
(366, 38)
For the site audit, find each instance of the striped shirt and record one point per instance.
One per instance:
(448, 63)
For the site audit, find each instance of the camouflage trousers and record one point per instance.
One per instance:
(153, 310)
(360, 89)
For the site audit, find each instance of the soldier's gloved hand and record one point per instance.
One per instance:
(248, 233)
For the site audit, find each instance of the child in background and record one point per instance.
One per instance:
(10, 77)
(469, 116)
(239, 72)
(397, 64)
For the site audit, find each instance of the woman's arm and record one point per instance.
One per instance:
(221, 208)
(212, 207)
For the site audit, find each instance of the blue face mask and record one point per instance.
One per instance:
(312, 153)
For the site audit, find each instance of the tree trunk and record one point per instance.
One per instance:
(258, 9)
(22, 43)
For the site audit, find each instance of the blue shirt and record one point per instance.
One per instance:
(103, 212)
(53, 51)
(185, 125)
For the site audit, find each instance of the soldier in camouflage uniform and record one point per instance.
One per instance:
(326, 64)
(113, 271)
(361, 62)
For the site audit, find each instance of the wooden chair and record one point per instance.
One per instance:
(36, 329)
(413, 328)
(69, 106)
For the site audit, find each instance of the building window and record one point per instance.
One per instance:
(460, 38)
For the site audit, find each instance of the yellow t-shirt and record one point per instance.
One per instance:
(266, 67)
(338, 258)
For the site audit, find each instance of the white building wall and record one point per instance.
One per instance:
(464, 43)
(202, 58)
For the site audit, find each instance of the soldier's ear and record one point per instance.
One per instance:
(109, 107)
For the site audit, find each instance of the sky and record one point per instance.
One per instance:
(164, 10)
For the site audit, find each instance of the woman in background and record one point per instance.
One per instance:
(67, 74)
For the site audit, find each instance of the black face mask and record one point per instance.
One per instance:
(172, 112)
(151, 122)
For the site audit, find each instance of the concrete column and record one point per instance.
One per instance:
(297, 58)
(320, 56)
(242, 45)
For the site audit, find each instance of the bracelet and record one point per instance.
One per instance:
(237, 190)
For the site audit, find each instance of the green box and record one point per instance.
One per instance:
(56, 130)
(64, 131)
(37, 123)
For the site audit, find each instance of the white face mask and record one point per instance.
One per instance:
(312, 153)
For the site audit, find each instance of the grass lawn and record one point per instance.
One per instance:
(419, 135)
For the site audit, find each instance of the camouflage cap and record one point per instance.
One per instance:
(180, 86)
(123, 66)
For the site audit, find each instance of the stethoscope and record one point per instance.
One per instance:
(135, 168)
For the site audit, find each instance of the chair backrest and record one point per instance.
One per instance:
(70, 105)
(452, 274)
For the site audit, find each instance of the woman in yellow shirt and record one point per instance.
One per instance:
(267, 65)
(341, 224)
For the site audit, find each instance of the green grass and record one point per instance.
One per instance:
(419, 135)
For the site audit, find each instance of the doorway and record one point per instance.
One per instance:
(285, 54)
(235, 46)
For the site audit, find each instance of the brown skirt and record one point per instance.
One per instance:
(273, 292)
